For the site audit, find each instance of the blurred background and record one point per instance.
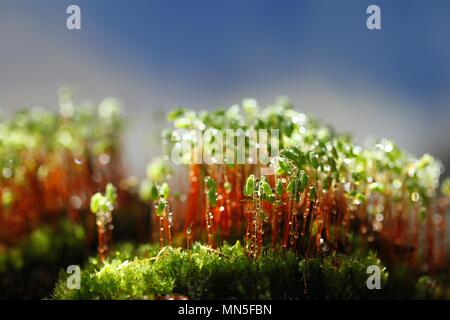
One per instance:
(155, 55)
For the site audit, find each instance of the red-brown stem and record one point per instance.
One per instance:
(161, 231)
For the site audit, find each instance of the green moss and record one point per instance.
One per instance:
(226, 273)
(341, 277)
(146, 272)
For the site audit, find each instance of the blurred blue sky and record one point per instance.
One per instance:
(157, 54)
(221, 43)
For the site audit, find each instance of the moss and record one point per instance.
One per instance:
(226, 273)
(341, 277)
(323, 186)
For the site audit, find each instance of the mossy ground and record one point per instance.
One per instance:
(146, 272)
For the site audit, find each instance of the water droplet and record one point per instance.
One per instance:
(437, 219)
(76, 202)
(7, 173)
(396, 184)
(104, 158)
(388, 147)
(415, 197)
